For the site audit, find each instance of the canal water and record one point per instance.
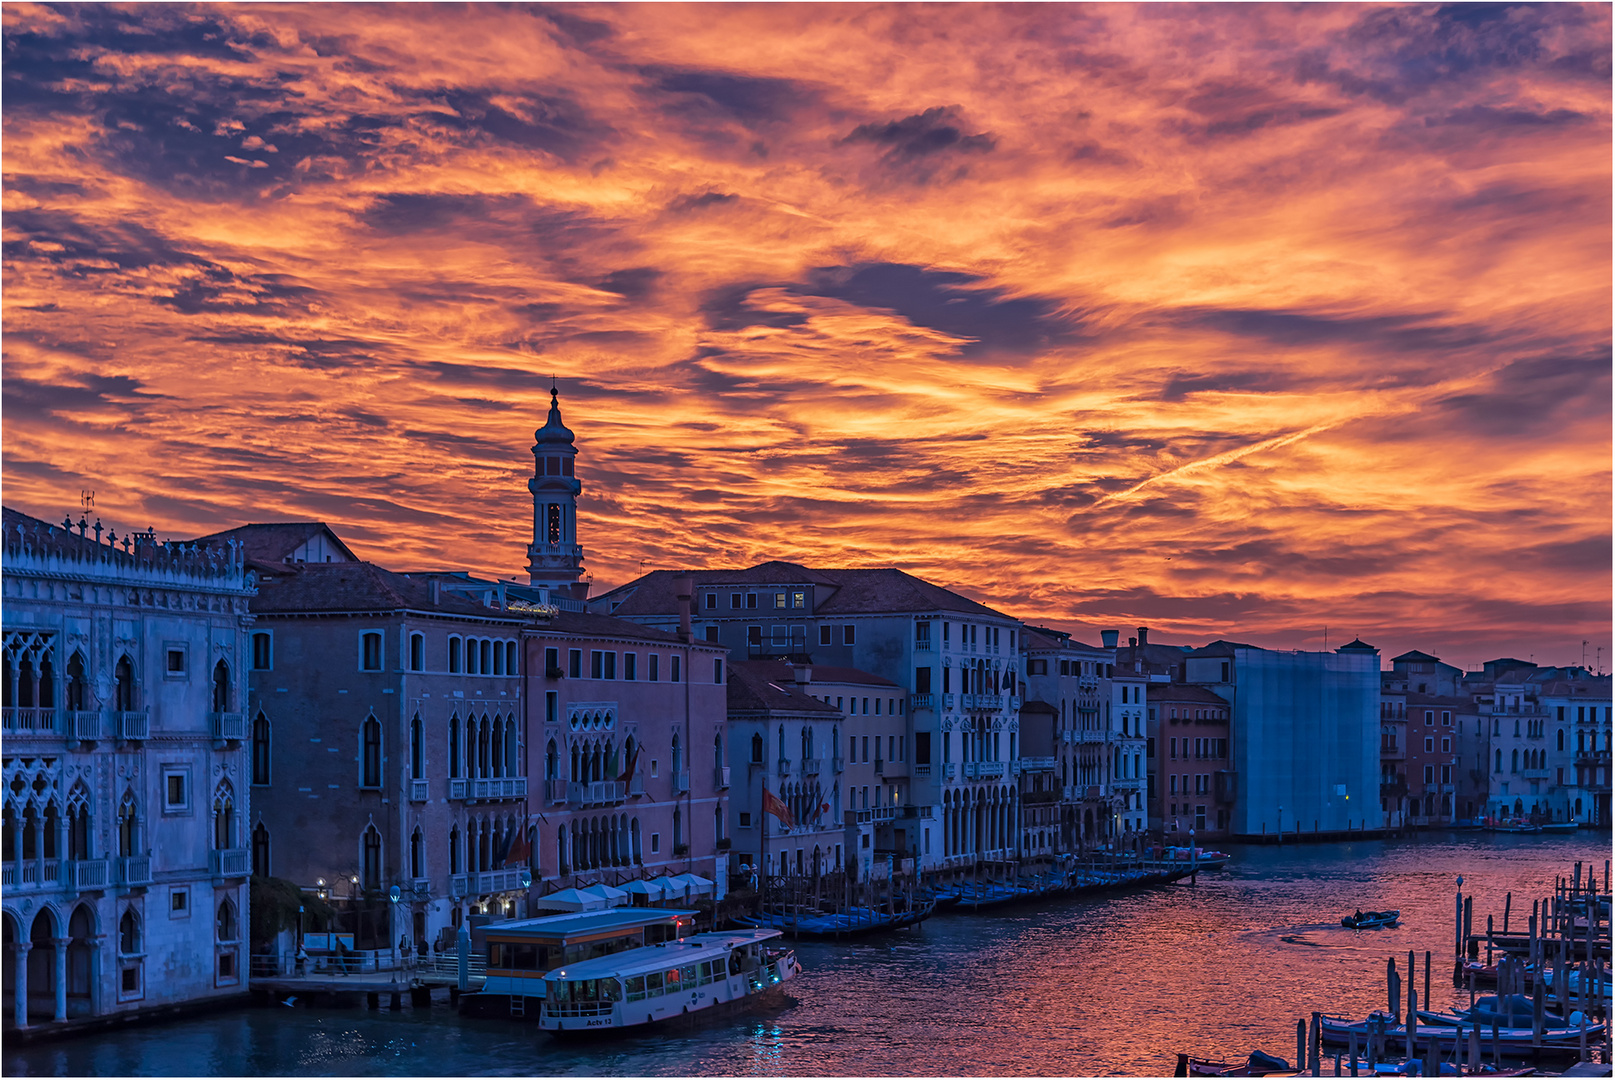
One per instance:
(1113, 985)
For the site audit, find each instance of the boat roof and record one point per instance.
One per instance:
(549, 927)
(661, 957)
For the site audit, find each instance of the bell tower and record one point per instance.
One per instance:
(555, 559)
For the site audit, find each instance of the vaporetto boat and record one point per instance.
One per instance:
(691, 978)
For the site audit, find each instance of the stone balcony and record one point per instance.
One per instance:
(230, 862)
(35, 722)
(1038, 764)
(595, 792)
(916, 702)
(812, 766)
(133, 726)
(487, 788)
(228, 726)
(420, 791)
(984, 770)
(130, 870)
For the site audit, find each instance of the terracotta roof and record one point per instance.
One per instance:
(1183, 692)
(359, 586)
(755, 685)
(850, 591)
(270, 543)
(587, 624)
(827, 673)
(1041, 639)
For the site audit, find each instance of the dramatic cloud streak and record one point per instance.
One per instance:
(1237, 320)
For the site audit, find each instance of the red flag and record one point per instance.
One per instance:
(520, 850)
(772, 805)
(633, 759)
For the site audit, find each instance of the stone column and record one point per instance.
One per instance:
(97, 944)
(19, 967)
(61, 944)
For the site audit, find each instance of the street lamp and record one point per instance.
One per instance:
(392, 923)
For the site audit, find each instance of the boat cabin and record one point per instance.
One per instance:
(521, 951)
(675, 969)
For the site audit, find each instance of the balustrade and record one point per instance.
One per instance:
(230, 862)
(86, 874)
(420, 790)
(85, 725)
(228, 726)
(21, 721)
(132, 869)
(812, 766)
(134, 726)
(595, 792)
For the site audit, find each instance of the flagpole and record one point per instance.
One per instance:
(762, 873)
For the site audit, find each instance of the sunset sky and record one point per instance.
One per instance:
(1232, 321)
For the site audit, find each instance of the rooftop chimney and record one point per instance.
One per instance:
(1132, 643)
(1107, 638)
(803, 674)
(436, 592)
(685, 587)
(1143, 636)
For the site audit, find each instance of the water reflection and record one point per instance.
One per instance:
(1115, 985)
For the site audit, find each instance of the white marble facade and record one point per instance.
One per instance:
(124, 859)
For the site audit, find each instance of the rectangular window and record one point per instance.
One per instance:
(1429, 746)
(847, 632)
(1429, 774)
(922, 634)
(866, 747)
(655, 842)
(754, 637)
(597, 664)
(717, 669)
(263, 651)
(745, 820)
(630, 666)
(947, 679)
(712, 633)
(734, 601)
(575, 662)
(176, 661)
(779, 599)
(370, 650)
(1173, 744)
(944, 633)
(1446, 718)
(417, 652)
(176, 790)
(179, 903)
(1429, 717)
(674, 674)
(1174, 784)
(799, 599)
(712, 601)
(751, 601)
(454, 655)
(552, 662)
(922, 680)
(611, 665)
(1446, 774)
(1446, 746)
(552, 707)
(824, 634)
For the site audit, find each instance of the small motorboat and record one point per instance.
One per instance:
(1258, 1064)
(1371, 920)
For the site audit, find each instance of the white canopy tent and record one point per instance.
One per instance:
(612, 897)
(570, 900)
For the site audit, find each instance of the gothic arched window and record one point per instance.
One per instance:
(129, 825)
(370, 759)
(260, 749)
(372, 858)
(224, 817)
(124, 697)
(221, 687)
(129, 933)
(75, 682)
(757, 749)
(260, 850)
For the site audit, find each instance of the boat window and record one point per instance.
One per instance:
(563, 990)
(636, 987)
(610, 990)
(575, 953)
(524, 957)
(496, 955)
(688, 976)
(671, 980)
(653, 983)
